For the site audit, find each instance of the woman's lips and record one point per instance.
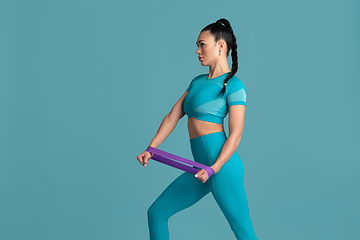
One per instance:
(200, 58)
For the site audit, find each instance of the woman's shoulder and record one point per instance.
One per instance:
(235, 82)
(200, 76)
(234, 85)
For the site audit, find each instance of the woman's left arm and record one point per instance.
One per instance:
(236, 124)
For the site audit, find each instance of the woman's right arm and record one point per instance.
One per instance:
(166, 127)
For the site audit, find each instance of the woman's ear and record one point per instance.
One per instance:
(221, 45)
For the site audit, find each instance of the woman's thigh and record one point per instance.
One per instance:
(228, 189)
(183, 192)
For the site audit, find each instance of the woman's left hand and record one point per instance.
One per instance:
(202, 175)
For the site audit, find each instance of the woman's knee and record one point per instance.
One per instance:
(154, 212)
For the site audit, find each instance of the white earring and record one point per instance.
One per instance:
(220, 52)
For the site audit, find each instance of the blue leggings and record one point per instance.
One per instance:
(226, 186)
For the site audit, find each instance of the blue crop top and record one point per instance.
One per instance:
(204, 102)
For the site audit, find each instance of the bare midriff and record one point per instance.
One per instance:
(198, 127)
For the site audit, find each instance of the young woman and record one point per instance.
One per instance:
(206, 101)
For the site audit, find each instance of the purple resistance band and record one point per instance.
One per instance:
(178, 162)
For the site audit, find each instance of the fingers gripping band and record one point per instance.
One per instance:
(178, 162)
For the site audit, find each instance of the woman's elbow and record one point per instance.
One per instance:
(236, 136)
(174, 116)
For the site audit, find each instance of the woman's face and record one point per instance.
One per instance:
(208, 49)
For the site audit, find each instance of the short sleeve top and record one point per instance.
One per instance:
(204, 101)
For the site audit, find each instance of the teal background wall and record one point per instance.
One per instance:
(84, 86)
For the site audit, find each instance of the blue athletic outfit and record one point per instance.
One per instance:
(203, 101)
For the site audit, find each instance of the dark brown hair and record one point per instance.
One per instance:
(221, 29)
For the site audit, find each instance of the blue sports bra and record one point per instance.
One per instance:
(204, 102)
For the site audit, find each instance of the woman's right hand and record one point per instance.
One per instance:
(144, 157)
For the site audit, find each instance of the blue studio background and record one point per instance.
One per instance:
(84, 86)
